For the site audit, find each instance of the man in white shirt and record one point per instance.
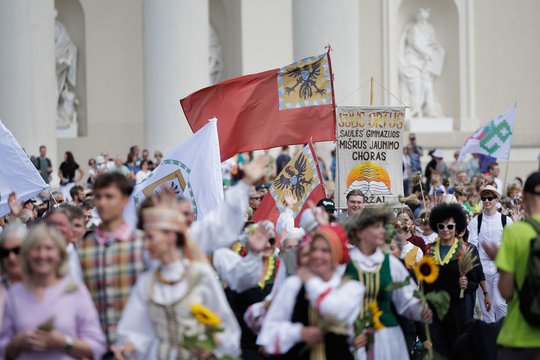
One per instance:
(488, 227)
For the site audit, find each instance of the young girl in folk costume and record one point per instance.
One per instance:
(312, 315)
(410, 253)
(425, 231)
(240, 301)
(448, 220)
(158, 314)
(406, 217)
(376, 270)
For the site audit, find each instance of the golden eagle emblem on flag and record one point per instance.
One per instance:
(300, 176)
(305, 83)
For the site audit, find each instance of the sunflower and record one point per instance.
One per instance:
(376, 314)
(204, 315)
(426, 270)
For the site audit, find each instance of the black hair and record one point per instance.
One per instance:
(70, 160)
(113, 179)
(180, 240)
(75, 190)
(444, 211)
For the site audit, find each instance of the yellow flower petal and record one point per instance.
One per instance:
(204, 315)
(426, 270)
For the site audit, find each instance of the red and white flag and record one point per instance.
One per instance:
(278, 107)
(303, 178)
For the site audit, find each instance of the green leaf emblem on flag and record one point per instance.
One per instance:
(496, 136)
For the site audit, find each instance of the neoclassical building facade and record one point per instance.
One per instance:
(137, 58)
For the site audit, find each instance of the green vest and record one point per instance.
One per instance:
(376, 283)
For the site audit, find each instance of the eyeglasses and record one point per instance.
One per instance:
(442, 226)
(486, 198)
(4, 253)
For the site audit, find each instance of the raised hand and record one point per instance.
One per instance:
(321, 216)
(15, 206)
(289, 198)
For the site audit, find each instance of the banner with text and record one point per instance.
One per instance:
(369, 153)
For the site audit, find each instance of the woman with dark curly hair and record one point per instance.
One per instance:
(448, 220)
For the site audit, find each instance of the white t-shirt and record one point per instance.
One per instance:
(490, 230)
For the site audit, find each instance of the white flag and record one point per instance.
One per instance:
(192, 170)
(17, 173)
(494, 139)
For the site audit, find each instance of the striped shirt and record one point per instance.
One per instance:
(110, 264)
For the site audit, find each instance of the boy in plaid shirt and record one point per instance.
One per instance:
(111, 257)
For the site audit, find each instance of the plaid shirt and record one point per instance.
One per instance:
(110, 264)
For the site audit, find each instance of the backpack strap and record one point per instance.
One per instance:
(535, 224)
(503, 220)
(480, 222)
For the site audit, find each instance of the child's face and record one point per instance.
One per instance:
(426, 229)
(403, 217)
(394, 249)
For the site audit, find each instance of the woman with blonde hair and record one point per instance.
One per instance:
(11, 239)
(158, 314)
(48, 315)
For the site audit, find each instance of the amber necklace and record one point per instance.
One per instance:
(164, 281)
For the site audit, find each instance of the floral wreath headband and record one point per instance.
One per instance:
(423, 220)
(400, 225)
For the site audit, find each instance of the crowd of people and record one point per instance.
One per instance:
(441, 272)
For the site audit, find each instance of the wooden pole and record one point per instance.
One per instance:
(371, 93)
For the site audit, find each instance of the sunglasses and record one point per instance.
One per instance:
(272, 241)
(4, 253)
(450, 227)
(486, 198)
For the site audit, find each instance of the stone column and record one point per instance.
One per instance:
(317, 23)
(27, 73)
(175, 34)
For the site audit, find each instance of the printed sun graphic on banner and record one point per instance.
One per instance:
(300, 177)
(172, 174)
(305, 83)
(370, 178)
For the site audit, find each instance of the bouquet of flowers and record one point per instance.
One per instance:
(207, 339)
(369, 322)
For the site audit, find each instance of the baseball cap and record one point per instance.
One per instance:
(491, 188)
(531, 183)
(327, 204)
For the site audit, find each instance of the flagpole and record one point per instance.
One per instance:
(371, 92)
(52, 196)
(509, 152)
